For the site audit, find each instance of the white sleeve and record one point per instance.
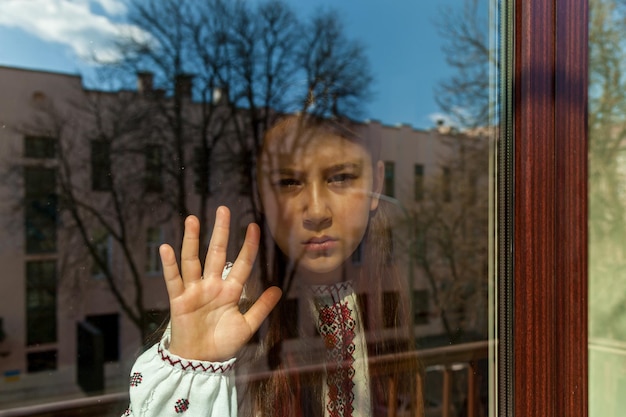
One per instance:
(163, 384)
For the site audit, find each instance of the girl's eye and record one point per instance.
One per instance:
(287, 183)
(342, 179)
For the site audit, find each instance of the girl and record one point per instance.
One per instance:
(319, 184)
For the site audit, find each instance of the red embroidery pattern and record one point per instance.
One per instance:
(136, 379)
(194, 365)
(331, 289)
(181, 405)
(337, 326)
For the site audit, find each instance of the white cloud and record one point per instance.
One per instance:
(70, 22)
(112, 7)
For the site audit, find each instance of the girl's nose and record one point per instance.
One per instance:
(317, 214)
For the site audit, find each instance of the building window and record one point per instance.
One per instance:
(109, 326)
(389, 186)
(245, 172)
(421, 309)
(361, 300)
(41, 302)
(202, 171)
(38, 97)
(418, 182)
(40, 147)
(40, 209)
(446, 185)
(154, 168)
(154, 237)
(472, 188)
(290, 308)
(389, 247)
(42, 361)
(357, 255)
(391, 300)
(421, 248)
(157, 320)
(101, 179)
(101, 261)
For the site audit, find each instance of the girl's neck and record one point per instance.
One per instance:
(328, 278)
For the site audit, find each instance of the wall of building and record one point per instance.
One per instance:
(79, 294)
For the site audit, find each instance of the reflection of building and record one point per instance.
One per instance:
(52, 282)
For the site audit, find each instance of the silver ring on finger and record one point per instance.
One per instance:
(226, 270)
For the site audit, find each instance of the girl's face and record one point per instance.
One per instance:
(317, 191)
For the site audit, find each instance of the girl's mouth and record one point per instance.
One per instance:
(322, 243)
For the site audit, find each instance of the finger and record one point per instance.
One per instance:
(171, 274)
(189, 261)
(262, 307)
(245, 260)
(216, 254)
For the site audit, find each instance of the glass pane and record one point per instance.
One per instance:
(607, 208)
(39, 147)
(360, 138)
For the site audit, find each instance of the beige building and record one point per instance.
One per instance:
(50, 283)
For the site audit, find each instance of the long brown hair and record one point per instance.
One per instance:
(284, 389)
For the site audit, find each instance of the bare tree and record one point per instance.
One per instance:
(182, 58)
(103, 197)
(449, 227)
(607, 146)
(464, 96)
(261, 60)
(451, 221)
(278, 64)
(337, 73)
(212, 77)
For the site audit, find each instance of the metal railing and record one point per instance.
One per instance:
(96, 406)
(448, 360)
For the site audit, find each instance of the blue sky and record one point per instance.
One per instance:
(400, 36)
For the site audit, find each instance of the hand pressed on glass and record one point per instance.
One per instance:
(205, 317)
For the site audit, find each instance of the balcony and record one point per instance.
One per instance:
(446, 369)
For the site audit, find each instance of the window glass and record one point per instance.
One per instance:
(419, 182)
(358, 136)
(154, 237)
(101, 243)
(108, 325)
(607, 207)
(42, 361)
(390, 184)
(39, 147)
(40, 209)
(100, 165)
(41, 302)
(154, 168)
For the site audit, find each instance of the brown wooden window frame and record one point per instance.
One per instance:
(549, 211)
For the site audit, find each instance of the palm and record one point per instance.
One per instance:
(206, 321)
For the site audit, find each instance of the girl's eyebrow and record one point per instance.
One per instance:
(284, 171)
(357, 166)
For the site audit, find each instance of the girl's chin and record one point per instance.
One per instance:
(321, 273)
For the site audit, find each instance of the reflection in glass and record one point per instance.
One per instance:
(607, 208)
(172, 123)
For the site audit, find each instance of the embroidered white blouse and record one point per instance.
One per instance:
(163, 384)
